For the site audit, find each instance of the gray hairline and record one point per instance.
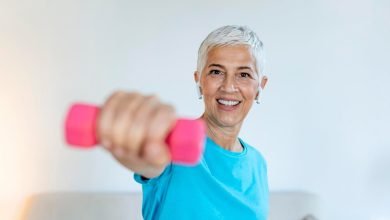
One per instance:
(255, 47)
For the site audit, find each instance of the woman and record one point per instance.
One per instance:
(230, 182)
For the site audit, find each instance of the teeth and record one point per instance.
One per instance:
(227, 102)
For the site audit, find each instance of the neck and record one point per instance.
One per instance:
(224, 136)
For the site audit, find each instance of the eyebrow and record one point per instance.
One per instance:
(221, 66)
(217, 65)
(244, 68)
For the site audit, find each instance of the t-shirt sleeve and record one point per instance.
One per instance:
(145, 181)
(152, 190)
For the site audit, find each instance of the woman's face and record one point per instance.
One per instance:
(229, 84)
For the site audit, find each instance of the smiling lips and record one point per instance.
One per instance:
(227, 104)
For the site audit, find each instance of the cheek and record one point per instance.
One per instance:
(209, 88)
(208, 92)
(250, 93)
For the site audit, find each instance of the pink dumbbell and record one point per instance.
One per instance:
(185, 141)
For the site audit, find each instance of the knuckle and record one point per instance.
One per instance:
(118, 93)
(151, 100)
(111, 99)
(169, 108)
(153, 97)
(134, 94)
(166, 113)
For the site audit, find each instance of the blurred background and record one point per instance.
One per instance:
(323, 123)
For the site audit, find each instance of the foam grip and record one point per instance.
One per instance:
(186, 140)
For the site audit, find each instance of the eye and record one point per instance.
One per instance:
(245, 75)
(215, 72)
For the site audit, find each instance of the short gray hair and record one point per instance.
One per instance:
(232, 35)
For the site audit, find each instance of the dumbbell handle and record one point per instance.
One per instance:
(185, 140)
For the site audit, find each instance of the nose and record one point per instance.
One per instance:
(229, 85)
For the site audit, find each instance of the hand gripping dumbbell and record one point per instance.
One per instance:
(185, 140)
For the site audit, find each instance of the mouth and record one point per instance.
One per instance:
(228, 102)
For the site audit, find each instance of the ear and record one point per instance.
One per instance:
(197, 77)
(263, 82)
(197, 81)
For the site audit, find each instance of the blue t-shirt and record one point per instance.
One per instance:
(224, 185)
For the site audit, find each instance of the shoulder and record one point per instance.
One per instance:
(254, 153)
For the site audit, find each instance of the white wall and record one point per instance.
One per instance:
(323, 123)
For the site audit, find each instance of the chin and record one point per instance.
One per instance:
(228, 121)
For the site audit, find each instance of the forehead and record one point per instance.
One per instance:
(231, 56)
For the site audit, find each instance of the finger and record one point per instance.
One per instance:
(136, 130)
(132, 160)
(156, 151)
(124, 117)
(162, 123)
(105, 118)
